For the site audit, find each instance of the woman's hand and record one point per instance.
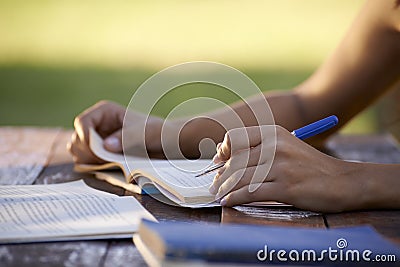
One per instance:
(107, 119)
(295, 174)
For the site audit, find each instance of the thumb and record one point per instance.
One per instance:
(223, 149)
(113, 142)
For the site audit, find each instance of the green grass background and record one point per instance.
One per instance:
(59, 57)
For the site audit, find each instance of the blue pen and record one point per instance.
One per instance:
(301, 133)
(316, 127)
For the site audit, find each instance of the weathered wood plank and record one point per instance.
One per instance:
(123, 253)
(164, 212)
(89, 253)
(61, 168)
(24, 152)
(378, 148)
(272, 216)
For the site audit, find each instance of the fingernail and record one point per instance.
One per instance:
(215, 158)
(218, 195)
(219, 145)
(212, 189)
(223, 201)
(113, 143)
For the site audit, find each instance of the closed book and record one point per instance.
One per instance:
(169, 243)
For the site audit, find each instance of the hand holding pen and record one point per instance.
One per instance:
(302, 133)
(299, 174)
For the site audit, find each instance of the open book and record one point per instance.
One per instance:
(67, 211)
(170, 181)
(174, 179)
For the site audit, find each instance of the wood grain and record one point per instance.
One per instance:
(24, 152)
(272, 216)
(164, 212)
(60, 165)
(123, 253)
(59, 169)
(89, 253)
(368, 148)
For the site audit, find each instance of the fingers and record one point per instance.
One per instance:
(243, 138)
(216, 159)
(105, 117)
(261, 155)
(255, 175)
(240, 139)
(81, 153)
(113, 142)
(258, 152)
(86, 120)
(246, 158)
(269, 191)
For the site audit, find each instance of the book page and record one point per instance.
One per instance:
(96, 145)
(191, 187)
(177, 174)
(50, 212)
(117, 178)
(183, 182)
(136, 162)
(184, 179)
(175, 200)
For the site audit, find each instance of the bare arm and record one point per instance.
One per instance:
(364, 66)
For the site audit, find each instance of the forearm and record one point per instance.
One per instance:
(279, 107)
(384, 186)
(369, 186)
(363, 67)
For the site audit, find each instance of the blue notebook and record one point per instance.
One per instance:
(252, 244)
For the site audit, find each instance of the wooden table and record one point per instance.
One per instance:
(39, 156)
